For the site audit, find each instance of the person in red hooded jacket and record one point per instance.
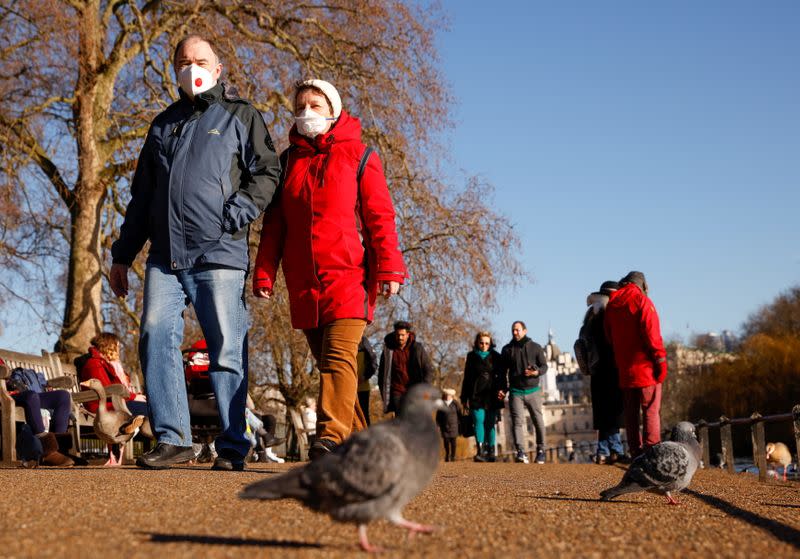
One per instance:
(334, 233)
(632, 326)
(102, 362)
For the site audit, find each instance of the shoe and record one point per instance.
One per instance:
(612, 458)
(624, 459)
(65, 446)
(320, 448)
(600, 459)
(522, 457)
(228, 461)
(270, 456)
(540, 457)
(50, 454)
(165, 455)
(206, 454)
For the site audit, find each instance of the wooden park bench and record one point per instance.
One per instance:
(58, 375)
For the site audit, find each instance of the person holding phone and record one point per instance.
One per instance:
(524, 362)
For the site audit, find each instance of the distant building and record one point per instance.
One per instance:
(729, 341)
(687, 360)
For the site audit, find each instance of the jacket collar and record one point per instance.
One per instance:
(522, 341)
(204, 100)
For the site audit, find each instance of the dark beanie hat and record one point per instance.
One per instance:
(607, 287)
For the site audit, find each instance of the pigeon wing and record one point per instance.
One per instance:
(367, 466)
(660, 465)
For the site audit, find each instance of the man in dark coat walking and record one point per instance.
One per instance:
(524, 363)
(403, 363)
(607, 407)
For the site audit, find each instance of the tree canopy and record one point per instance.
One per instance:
(77, 106)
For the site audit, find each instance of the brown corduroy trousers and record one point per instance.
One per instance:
(335, 348)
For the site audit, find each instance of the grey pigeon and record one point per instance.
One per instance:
(664, 468)
(373, 474)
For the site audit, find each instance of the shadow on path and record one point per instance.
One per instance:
(567, 498)
(779, 530)
(220, 540)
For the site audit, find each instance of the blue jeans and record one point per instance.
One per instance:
(608, 441)
(484, 421)
(217, 295)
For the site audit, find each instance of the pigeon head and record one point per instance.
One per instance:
(683, 432)
(421, 399)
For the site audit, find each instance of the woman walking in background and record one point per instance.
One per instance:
(482, 373)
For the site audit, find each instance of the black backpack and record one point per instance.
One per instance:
(587, 353)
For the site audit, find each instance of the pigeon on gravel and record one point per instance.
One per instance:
(373, 474)
(664, 468)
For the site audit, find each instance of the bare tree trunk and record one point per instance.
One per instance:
(82, 315)
(83, 319)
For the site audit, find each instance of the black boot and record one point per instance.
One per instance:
(481, 456)
(490, 457)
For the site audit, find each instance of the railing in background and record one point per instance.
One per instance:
(756, 423)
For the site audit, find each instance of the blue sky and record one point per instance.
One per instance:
(621, 135)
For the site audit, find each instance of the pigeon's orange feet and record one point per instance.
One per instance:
(671, 500)
(364, 542)
(414, 528)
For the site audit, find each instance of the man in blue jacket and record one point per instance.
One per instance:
(207, 170)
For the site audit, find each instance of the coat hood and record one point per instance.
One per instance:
(628, 296)
(597, 301)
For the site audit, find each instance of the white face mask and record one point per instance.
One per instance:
(195, 79)
(311, 124)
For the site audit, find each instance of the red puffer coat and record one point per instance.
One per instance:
(632, 327)
(313, 226)
(96, 366)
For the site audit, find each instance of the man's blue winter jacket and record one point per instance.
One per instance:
(207, 170)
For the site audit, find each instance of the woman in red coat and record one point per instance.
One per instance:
(335, 236)
(102, 362)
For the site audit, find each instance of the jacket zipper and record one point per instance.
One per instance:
(183, 174)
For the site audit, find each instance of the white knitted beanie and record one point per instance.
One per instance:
(330, 92)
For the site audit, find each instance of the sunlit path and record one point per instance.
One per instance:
(480, 510)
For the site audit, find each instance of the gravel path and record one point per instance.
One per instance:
(482, 510)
